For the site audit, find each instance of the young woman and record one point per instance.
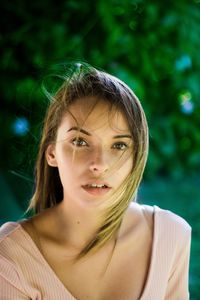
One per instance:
(88, 238)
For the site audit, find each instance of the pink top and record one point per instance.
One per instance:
(25, 274)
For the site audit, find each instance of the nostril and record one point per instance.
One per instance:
(98, 168)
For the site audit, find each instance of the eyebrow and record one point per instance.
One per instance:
(87, 133)
(123, 136)
(79, 129)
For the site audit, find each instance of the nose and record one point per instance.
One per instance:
(98, 164)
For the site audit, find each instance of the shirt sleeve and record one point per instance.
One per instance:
(177, 288)
(10, 292)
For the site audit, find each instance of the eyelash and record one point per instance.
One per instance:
(78, 142)
(125, 146)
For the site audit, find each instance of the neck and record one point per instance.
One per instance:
(76, 226)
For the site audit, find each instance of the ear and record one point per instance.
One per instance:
(50, 156)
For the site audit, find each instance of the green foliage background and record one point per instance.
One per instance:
(152, 45)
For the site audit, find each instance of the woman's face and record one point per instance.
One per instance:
(93, 151)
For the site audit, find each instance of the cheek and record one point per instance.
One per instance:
(127, 167)
(125, 162)
(121, 170)
(69, 160)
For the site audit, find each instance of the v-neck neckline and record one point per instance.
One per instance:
(150, 269)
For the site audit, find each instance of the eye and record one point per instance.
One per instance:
(79, 142)
(120, 146)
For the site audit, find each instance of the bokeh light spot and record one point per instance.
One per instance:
(21, 126)
(183, 63)
(186, 103)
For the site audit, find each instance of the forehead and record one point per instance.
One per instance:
(95, 113)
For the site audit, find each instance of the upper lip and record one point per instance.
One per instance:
(98, 183)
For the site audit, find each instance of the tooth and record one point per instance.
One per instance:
(97, 185)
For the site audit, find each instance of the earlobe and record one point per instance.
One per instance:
(50, 156)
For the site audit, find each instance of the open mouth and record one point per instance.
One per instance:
(96, 189)
(100, 186)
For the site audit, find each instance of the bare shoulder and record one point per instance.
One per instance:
(140, 214)
(40, 223)
(138, 220)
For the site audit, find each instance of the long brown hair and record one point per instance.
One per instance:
(81, 81)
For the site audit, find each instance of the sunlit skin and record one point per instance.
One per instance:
(93, 146)
(100, 153)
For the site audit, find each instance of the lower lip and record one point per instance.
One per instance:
(96, 191)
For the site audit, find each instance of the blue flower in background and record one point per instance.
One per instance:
(187, 105)
(183, 63)
(21, 126)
